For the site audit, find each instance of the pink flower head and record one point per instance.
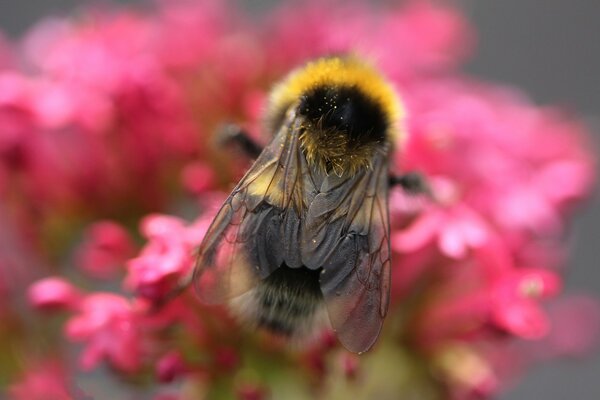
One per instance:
(109, 325)
(515, 299)
(16, 119)
(113, 117)
(470, 299)
(166, 258)
(350, 364)
(480, 138)
(46, 380)
(453, 230)
(428, 36)
(53, 294)
(497, 211)
(106, 246)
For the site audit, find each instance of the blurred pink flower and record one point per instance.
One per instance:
(53, 293)
(166, 258)
(113, 118)
(109, 325)
(481, 138)
(428, 36)
(470, 300)
(170, 366)
(514, 305)
(101, 98)
(350, 365)
(496, 162)
(46, 380)
(105, 248)
(454, 230)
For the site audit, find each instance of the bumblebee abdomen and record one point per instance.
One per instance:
(288, 299)
(287, 303)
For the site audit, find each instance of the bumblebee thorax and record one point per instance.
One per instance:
(349, 112)
(343, 128)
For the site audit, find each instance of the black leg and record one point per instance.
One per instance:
(234, 134)
(413, 183)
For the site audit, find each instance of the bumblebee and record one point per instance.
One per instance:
(303, 238)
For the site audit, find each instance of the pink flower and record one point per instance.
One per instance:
(470, 300)
(514, 301)
(197, 177)
(460, 131)
(499, 206)
(166, 258)
(428, 36)
(106, 246)
(16, 118)
(46, 380)
(114, 117)
(350, 364)
(454, 230)
(53, 294)
(110, 327)
(170, 366)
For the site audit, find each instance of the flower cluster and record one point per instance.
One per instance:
(112, 124)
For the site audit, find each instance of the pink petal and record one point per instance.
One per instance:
(418, 234)
(161, 226)
(539, 283)
(522, 318)
(451, 242)
(53, 294)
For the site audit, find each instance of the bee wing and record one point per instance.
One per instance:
(351, 241)
(244, 243)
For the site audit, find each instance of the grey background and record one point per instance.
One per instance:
(550, 49)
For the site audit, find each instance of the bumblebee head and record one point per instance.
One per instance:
(349, 112)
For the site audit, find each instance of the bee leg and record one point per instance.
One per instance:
(413, 183)
(234, 134)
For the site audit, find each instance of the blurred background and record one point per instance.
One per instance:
(549, 50)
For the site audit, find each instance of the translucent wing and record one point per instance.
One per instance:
(244, 243)
(284, 212)
(347, 233)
